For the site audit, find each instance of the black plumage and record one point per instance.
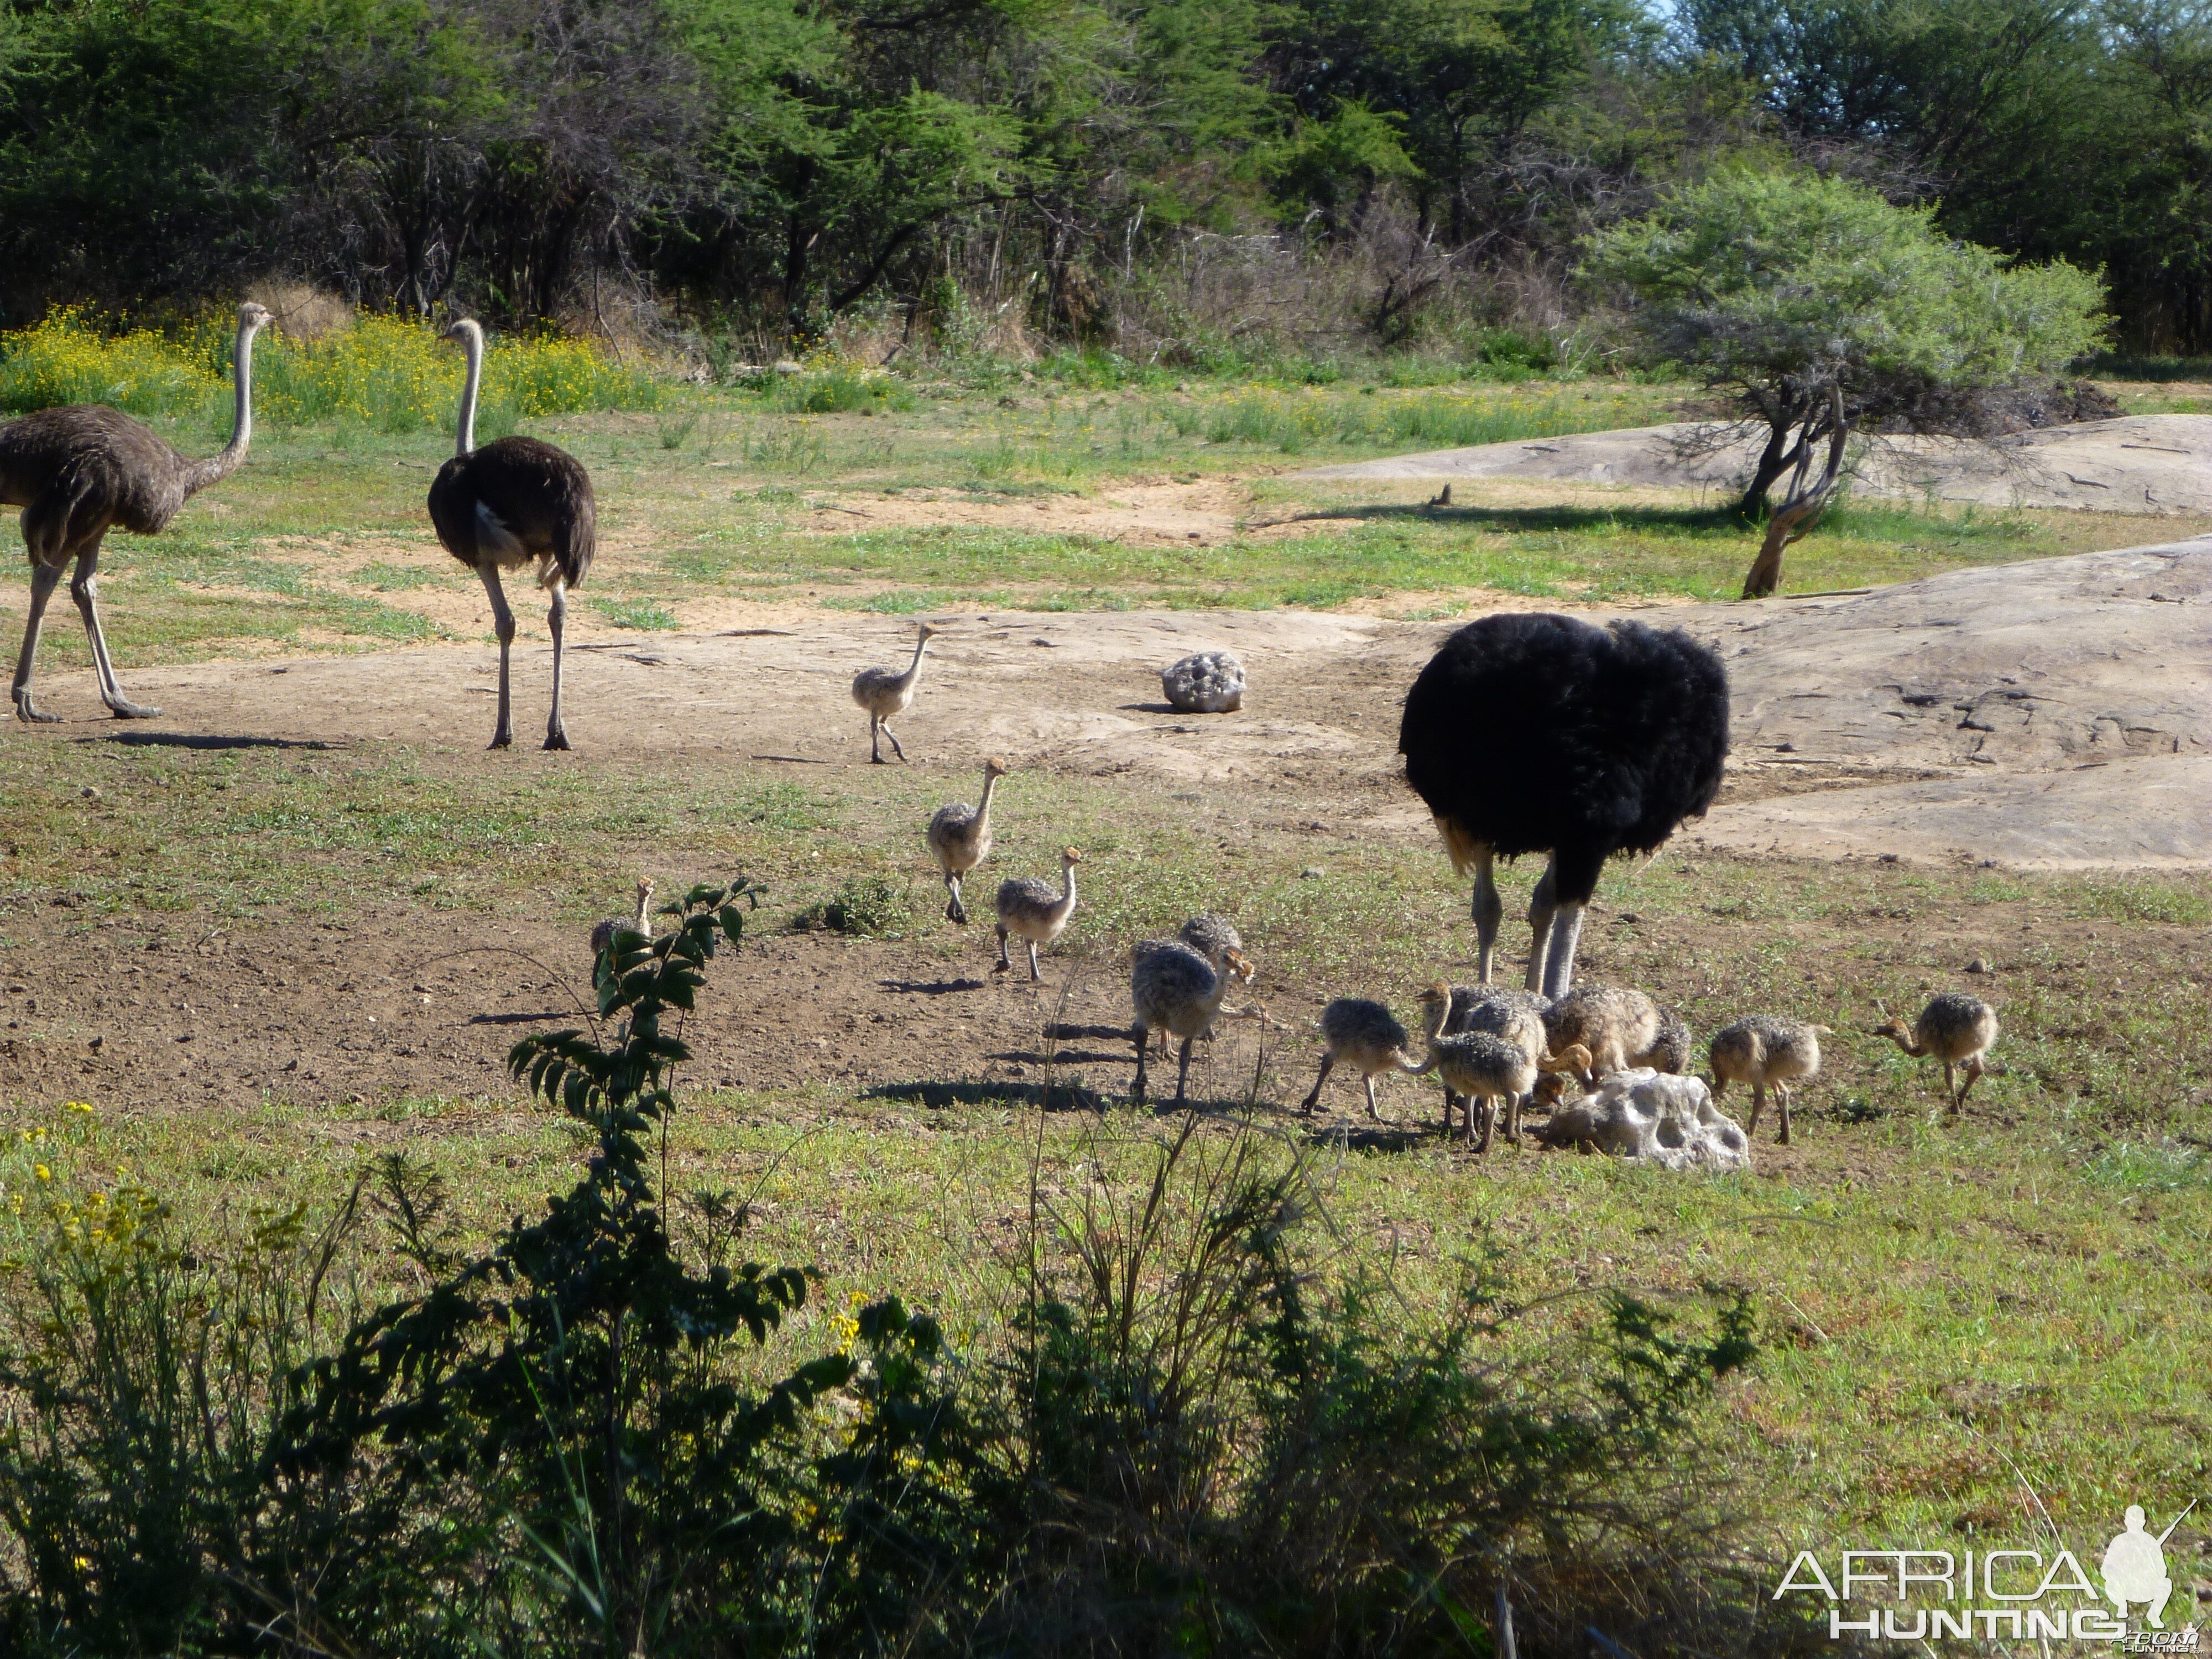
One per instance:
(515, 501)
(1540, 734)
(541, 496)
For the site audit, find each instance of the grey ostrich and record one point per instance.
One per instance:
(1212, 937)
(1030, 911)
(960, 837)
(1766, 1053)
(1366, 1037)
(884, 694)
(602, 933)
(1482, 1067)
(1957, 1030)
(1531, 733)
(1518, 1017)
(80, 472)
(512, 502)
(1176, 989)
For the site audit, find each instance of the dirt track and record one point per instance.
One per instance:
(1934, 720)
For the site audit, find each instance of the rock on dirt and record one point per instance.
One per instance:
(1210, 682)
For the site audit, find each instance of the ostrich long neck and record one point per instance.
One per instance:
(645, 911)
(913, 669)
(1066, 889)
(218, 467)
(464, 438)
(983, 806)
(1912, 1045)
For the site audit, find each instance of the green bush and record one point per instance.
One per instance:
(1183, 1436)
(863, 907)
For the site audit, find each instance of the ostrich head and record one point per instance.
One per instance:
(927, 630)
(1068, 855)
(995, 766)
(462, 328)
(1240, 966)
(254, 316)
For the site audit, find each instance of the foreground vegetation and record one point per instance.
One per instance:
(1993, 1295)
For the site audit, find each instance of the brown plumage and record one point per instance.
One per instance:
(1957, 1030)
(513, 502)
(80, 472)
(1766, 1053)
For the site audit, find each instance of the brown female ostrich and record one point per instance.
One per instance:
(514, 500)
(79, 472)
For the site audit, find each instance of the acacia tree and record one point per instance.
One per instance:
(1813, 305)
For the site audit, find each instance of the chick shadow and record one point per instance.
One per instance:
(928, 987)
(1345, 1136)
(1037, 1097)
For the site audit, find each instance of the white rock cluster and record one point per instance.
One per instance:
(1210, 683)
(1641, 1114)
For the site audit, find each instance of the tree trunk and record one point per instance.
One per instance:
(1802, 505)
(1777, 459)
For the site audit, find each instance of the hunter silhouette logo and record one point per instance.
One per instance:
(2134, 1567)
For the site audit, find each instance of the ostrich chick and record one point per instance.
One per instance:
(884, 694)
(1488, 1068)
(1366, 1037)
(1516, 1016)
(1618, 1027)
(1030, 911)
(1955, 1028)
(1670, 1050)
(1179, 991)
(1212, 937)
(960, 837)
(602, 933)
(1767, 1053)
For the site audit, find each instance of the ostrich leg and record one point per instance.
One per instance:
(1036, 978)
(556, 735)
(44, 578)
(1182, 1072)
(1559, 963)
(1542, 906)
(875, 742)
(1372, 1111)
(1488, 910)
(954, 911)
(1006, 963)
(893, 736)
(502, 621)
(1327, 1061)
(84, 588)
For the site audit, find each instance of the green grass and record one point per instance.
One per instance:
(740, 495)
(1944, 1303)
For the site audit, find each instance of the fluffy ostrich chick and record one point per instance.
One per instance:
(1366, 1037)
(1030, 911)
(1486, 1069)
(1767, 1053)
(960, 837)
(1957, 1030)
(1177, 990)
(884, 692)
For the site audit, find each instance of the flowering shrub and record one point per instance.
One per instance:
(385, 372)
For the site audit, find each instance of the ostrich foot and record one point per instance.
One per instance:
(124, 709)
(28, 711)
(555, 737)
(502, 740)
(956, 912)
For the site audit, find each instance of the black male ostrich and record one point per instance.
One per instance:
(1531, 733)
(513, 502)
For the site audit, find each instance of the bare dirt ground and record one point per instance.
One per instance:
(2153, 464)
(2053, 715)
